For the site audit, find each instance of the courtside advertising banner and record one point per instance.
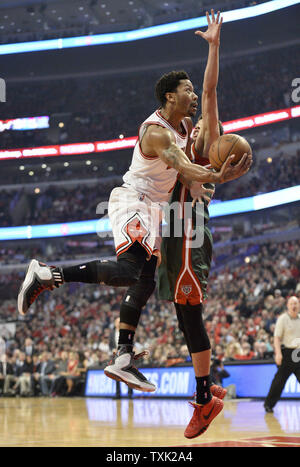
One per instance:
(250, 380)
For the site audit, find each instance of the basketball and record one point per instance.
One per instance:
(225, 146)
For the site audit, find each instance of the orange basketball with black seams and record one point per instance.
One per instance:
(225, 146)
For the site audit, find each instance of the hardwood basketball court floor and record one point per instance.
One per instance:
(97, 422)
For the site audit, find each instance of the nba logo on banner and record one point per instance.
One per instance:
(2, 90)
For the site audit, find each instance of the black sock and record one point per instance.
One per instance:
(203, 394)
(58, 276)
(126, 337)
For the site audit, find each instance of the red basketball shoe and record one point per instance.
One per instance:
(218, 391)
(202, 417)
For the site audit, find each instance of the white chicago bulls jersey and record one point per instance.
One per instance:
(148, 174)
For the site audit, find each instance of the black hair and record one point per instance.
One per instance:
(221, 128)
(168, 83)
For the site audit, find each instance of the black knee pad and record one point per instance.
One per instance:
(193, 328)
(134, 300)
(138, 294)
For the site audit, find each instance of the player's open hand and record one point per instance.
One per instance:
(200, 194)
(231, 172)
(212, 34)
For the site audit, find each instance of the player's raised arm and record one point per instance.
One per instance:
(210, 115)
(163, 145)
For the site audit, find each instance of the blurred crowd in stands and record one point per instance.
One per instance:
(106, 107)
(275, 174)
(69, 249)
(74, 328)
(54, 203)
(235, 238)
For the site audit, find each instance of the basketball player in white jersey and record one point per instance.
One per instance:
(160, 156)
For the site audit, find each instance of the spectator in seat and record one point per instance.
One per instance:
(279, 302)
(6, 368)
(58, 383)
(18, 361)
(232, 349)
(24, 381)
(47, 373)
(219, 352)
(29, 348)
(73, 372)
(246, 354)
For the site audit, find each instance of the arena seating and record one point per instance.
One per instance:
(240, 313)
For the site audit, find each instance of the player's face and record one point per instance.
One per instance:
(186, 99)
(196, 130)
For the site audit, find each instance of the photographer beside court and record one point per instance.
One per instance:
(287, 357)
(218, 372)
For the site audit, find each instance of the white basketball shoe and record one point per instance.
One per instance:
(122, 368)
(39, 277)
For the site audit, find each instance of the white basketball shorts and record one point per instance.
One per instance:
(134, 217)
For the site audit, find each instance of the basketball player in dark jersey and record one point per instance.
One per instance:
(184, 270)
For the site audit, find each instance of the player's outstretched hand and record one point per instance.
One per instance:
(231, 172)
(199, 193)
(212, 34)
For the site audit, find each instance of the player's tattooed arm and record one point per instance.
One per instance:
(161, 142)
(185, 181)
(174, 157)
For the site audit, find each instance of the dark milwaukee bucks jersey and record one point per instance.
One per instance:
(183, 273)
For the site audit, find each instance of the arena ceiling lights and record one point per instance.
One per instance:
(154, 31)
